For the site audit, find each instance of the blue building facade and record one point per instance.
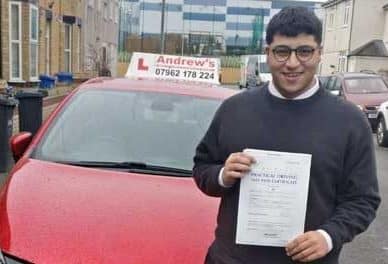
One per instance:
(235, 24)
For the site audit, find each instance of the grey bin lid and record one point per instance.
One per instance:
(8, 101)
(31, 93)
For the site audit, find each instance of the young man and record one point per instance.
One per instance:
(292, 114)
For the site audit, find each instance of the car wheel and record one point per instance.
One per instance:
(382, 133)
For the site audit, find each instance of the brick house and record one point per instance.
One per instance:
(40, 36)
(19, 36)
(61, 37)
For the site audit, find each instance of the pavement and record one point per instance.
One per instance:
(55, 95)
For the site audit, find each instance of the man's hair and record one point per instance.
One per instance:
(292, 21)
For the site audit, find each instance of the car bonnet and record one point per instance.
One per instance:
(54, 213)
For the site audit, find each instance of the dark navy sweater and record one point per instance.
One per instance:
(343, 191)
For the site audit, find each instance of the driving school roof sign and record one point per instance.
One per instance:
(161, 66)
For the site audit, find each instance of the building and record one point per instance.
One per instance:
(201, 26)
(19, 41)
(40, 37)
(60, 41)
(51, 36)
(356, 36)
(101, 36)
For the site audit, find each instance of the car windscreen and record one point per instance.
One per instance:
(365, 85)
(128, 126)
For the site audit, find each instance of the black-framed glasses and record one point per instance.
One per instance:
(282, 53)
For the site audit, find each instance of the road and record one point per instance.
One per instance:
(371, 247)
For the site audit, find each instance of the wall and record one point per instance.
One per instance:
(385, 34)
(56, 43)
(122, 69)
(329, 59)
(368, 23)
(230, 75)
(336, 33)
(101, 32)
(376, 64)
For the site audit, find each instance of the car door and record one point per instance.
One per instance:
(334, 85)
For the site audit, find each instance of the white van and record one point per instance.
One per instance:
(254, 70)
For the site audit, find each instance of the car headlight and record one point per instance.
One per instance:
(7, 259)
(361, 107)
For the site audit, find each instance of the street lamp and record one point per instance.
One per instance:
(162, 28)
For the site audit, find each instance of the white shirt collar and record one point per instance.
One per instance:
(306, 94)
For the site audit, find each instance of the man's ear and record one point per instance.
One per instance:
(267, 50)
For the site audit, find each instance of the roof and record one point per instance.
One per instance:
(330, 3)
(351, 75)
(164, 86)
(374, 48)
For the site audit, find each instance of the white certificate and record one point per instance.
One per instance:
(273, 198)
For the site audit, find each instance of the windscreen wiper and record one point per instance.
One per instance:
(132, 166)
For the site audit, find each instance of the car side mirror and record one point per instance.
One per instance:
(19, 144)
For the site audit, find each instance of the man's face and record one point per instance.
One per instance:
(293, 74)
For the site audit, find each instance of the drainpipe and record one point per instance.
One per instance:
(350, 35)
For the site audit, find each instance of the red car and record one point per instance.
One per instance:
(367, 91)
(107, 178)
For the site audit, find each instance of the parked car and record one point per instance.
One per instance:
(367, 91)
(382, 121)
(107, 178)
(324, 79)
(254, 71)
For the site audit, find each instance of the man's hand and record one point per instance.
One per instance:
(236, 166)
(310, 246)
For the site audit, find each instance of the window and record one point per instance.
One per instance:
(90, 24)
(341, 64)
(365, 85)
(68, 39)
(170, 125)
(342, 61)
(330, 20)
(34, 42)
(104, 56)
(105, 11)
(347, 13)
(116, 13)
(111, 7)
(79, 43)
(15, 44)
